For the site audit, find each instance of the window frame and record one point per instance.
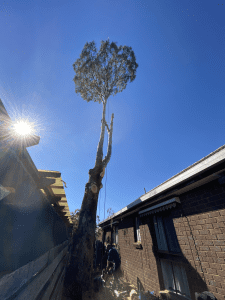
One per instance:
(115, 235)
(137, 232)
(162, 233)
(173, 260)
(177, 276)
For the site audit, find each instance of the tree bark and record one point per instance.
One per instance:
(78, 278)
(99, 154)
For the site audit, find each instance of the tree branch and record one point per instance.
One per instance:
(107, 126)
(109, 150)
(117, 71)
(99, 154)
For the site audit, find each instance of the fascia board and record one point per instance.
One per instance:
(196, 169)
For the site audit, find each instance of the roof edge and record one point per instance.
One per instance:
(203, 164)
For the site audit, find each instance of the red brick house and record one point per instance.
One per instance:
(172, 239)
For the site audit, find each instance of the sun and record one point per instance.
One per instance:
(23, 128)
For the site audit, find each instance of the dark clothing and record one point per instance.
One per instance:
(113, 255)
(205, 296)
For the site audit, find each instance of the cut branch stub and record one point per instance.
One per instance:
(107, 127)
(94, 188)
(102, 173)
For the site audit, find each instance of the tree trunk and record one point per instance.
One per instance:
(78, 277)
(81, 265)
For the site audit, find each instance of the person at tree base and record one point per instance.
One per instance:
(113, 261)
(205, 296)
(113, 257)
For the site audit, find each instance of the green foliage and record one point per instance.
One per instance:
(98, 230)
(102, 73)
(75, 219)
(97, 220)
(110, 212)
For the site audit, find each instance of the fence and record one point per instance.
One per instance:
(39, 279)
(34, 238)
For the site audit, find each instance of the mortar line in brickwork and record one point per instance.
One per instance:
(194, 244)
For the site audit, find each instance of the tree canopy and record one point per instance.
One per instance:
(102, 73)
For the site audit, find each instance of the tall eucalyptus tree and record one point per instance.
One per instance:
(98, 75)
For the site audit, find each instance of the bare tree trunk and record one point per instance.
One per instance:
(78, 277)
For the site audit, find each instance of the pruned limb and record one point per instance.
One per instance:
(109, 150)
(99, 155)
(107, 126)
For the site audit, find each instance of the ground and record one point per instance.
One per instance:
(124, 290)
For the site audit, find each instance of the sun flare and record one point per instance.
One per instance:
(23, 128)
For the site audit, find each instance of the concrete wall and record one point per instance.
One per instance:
(199, 223)
(29, 226)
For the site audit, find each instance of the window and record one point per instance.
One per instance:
(137, 234)
(115, 238)
(166, 234)
(175, 278)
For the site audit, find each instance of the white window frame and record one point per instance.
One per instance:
(117, 235)
(138, 233)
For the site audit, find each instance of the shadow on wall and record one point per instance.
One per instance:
(214, 195)
(209, 199)
(29, 226)
(196, 283)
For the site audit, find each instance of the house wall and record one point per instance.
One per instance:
(199, 223)
(201, 235)
(139, 266)
(29, 226)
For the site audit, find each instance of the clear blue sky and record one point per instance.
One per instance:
(171, 116)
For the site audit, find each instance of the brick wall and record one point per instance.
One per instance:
(199, 223)
(201, 234)
(138, 265)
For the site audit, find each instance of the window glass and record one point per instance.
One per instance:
(174, 277)
(160, 234)
(171, 235)
(167, 275)
(117, 236)
(166, 234)
(181, 279)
